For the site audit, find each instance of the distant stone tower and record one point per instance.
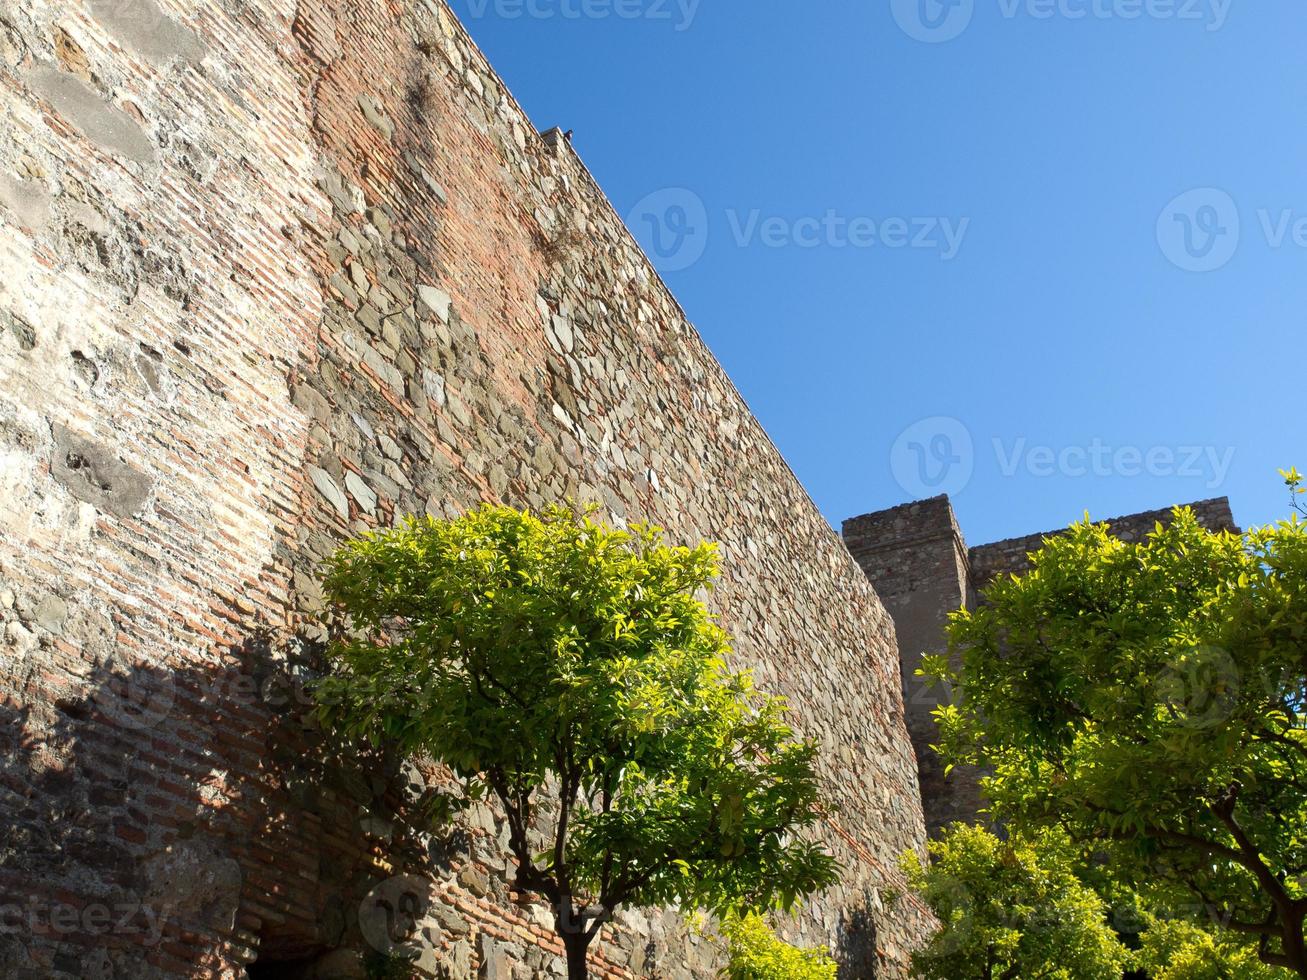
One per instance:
(916, 557)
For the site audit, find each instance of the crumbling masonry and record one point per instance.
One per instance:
(273, 275)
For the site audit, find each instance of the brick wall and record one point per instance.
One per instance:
(274, 275)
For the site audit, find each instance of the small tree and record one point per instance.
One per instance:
(569, 670)
(1151, 699)
(754, 952)
(1178, 949)
(1010, 910)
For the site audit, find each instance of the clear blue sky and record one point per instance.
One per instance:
(1087, 330)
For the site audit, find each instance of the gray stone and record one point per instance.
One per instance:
(434, 386)
(494, 961)
(377, 826)
(474, 881)
(145, 28)
(381, 221)
(51, 613)
(386, 371)
(22, 330)
(361, 492)
(94, 473)
(312, 403)
(330, 489)
(28, 200)
(459, 959)
(369, 316)
(374, 114)
(86, 109)
(436, 300)
(561, 335)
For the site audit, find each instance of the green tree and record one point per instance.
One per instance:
(1010, 910)
(1294, 480)
(1149, 698)
(1176, 949)
(755, 953)
(569, 670)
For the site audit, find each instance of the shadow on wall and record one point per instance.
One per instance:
(856, 951)
(183, 822)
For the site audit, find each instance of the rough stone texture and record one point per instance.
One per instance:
(915, 556)
(274, 275)
(1012, 556)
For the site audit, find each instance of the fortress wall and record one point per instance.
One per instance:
(273, 276)
(1011, 557)
(915, 556)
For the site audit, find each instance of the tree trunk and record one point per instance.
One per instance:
(576, 945)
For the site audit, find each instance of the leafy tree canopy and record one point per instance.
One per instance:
(570, 670)
(1177, 949)
(1010, 910)
(756, 953)
(1149, 698)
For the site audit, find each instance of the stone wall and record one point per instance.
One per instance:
(915, 556)
(1011, 557)
(273, 275)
